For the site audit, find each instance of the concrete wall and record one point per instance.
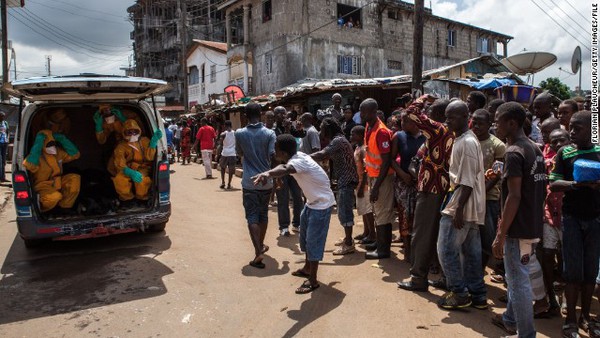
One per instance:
(381, 42)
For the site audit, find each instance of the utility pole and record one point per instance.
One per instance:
(184, 76)
(417, 69)
(4, 46)
(48, 59)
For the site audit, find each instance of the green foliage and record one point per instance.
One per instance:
(556, 88)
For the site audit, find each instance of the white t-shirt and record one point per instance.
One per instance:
(466, 168)
(313, 181)
(228, 144)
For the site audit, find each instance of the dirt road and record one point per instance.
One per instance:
(193, 281)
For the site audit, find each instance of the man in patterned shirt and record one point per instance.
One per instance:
(433, 183)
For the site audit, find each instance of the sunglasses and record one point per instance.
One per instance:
(132, 132)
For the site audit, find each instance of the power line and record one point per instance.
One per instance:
(563, 28)
(76, 14)
(578, 12)
(58, 43)
(577, 23)
(56, 31)
(87, 9)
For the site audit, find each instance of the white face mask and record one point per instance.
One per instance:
(51, 150)
(134, 138)
(110, 119)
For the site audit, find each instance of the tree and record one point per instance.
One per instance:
(556, 88)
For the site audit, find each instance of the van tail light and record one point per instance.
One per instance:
(19, 178)
(163, 177)
(21, 188)
(163, 167)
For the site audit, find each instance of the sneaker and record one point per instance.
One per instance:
(452, 301)
(479, 304)
(340, 241)
(284, 232)
(343, 250)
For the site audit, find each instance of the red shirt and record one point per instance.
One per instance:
(206, 135)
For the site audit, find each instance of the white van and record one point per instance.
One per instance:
(97, 208)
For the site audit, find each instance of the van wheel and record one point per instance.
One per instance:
(157, 227)
(33, 243)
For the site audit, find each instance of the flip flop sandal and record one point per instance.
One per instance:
(300, 273)
(265, 248)
(499, 322)
(592, 327)
(258, 265)
(306, 287)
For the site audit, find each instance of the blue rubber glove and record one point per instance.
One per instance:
(36, 149)
(155, 137)
(135, 175)
(119, 114)
(98, 121)
(66, 144)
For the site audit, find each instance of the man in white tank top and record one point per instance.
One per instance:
(228, 156)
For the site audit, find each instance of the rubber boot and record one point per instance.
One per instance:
(384, 242)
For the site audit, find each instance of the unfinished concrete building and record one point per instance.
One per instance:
(158, 32)
(272, 44)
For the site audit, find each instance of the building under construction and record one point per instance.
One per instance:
(163, 29)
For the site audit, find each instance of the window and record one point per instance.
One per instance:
(213, 73)
(268, 63)
(349, 64)
(483, 45)
(349, 16)
(267, 11)
(203, 74)
(392, 14)
(194, 77)
(451, 38)
(392, 64)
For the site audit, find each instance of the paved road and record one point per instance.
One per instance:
(193, 281)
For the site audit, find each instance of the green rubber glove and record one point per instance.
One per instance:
(98, 121)
(155, 137)
(119, 114)
(36, 149)
(135, 175)
(66, 144)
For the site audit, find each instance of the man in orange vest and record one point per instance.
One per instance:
(381, 177)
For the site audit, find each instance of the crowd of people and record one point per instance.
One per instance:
(470, 184)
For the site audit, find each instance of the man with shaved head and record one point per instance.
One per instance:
(462, 216)
(378, 140)
(542, 109)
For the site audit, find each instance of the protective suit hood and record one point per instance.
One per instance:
(48, 134)
(131, 124)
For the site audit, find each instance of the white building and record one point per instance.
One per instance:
(207, 69)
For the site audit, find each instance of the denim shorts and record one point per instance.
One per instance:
(345, 206)
(256, 205)
(314, 225)
(581, 249)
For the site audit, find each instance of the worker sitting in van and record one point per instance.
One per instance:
(107, 120)
(133, 159)
(44, 162)
(58, 121)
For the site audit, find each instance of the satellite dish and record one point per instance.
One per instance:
(529, 62)
(576, 60)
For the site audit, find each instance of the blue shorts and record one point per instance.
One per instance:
(345, 206)
(256, 205)
(581, 249)
(314, 225)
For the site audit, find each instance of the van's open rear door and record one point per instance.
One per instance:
(86, 87)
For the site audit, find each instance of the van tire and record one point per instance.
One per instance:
(33, 243)
(157, 227)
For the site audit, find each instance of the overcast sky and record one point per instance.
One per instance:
(93, 35)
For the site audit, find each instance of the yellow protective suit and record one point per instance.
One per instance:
(108, 128)
(137, 156)
(48, 181)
